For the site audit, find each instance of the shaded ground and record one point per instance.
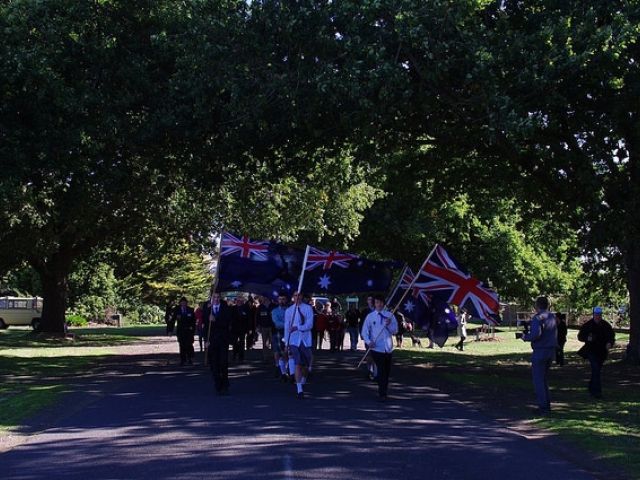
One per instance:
(140, 416)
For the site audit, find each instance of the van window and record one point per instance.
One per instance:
(18, 304)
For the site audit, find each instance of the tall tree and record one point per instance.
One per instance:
(564, 115)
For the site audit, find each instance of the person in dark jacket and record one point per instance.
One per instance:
(185, 320)
(561, 320)
(598, 337)
(219, 321)
(240, 328)
(352, 318)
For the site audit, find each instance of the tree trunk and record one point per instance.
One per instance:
(633, 279)
(54, 286)
(632, 249)
(54, 273)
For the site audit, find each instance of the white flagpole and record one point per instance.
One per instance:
(304, 266)
(395, 289)
(415, 277)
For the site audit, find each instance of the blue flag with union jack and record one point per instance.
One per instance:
(443, 278)
(258, 266)
(428, 313)
(335, 273)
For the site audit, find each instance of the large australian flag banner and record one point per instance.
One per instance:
(258, 266)
(336, 273)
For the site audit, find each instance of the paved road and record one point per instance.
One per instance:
(144, 417)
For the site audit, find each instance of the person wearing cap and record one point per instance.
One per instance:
(598, 337)
(185, 320)
(543, 335)
(378, 330)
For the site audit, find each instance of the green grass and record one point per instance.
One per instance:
(18, 402)
(496, 376)
(82, 337)
(35, 369)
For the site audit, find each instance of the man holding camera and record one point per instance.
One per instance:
(543, 335)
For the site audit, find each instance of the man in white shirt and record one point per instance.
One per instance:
(377, 331)
(298, 322)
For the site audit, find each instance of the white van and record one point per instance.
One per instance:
(20, 311)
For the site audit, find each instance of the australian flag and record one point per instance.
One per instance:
(428, 313)
(258, 266)
(443, 278)
(335, 273)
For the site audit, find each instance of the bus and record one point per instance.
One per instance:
(20, 311)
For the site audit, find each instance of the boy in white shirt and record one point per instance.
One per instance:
(377, 331)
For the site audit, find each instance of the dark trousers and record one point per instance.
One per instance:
(540, 372)
(560, 355)
(383, 363)
(595, 384)
(333, 340)
(219, 362)
(237, 343)
(185, 342)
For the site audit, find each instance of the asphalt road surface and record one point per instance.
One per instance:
(142, 416)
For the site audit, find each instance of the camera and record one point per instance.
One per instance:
(519, 335)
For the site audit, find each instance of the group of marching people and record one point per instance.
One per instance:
(290, 331)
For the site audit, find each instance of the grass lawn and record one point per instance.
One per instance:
(35, 369)
(495, 375)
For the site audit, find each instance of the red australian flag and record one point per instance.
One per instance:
(442, 277)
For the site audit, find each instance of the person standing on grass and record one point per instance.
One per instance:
(185, 320)
(598, 337)
(377, 332)
(543, 335)
(462, 329)
(561, 319)
(298, 322)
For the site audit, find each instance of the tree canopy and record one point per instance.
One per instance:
(507, 129)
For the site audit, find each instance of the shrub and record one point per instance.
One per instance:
(77, 320)
(144, 315)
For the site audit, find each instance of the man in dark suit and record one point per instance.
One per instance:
(240, 327)
(219, 322)
(185, 320)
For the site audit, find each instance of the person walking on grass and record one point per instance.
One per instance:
(598, 337)
(561, 320)
(543, 336)
(462, 329)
